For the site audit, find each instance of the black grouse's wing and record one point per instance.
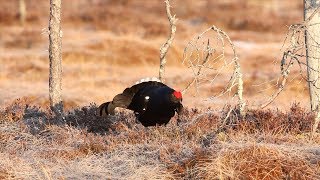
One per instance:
(125, 98)
(140, 100)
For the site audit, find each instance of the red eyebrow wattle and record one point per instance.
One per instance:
(177, 94)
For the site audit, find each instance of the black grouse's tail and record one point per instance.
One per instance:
(103, 109)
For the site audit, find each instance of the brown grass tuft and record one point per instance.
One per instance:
(258, 162)
(202, 144)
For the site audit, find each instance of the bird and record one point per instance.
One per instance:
(152, 102)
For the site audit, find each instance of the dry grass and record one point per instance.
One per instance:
(267, 144)
(259, 161)
(107, 46)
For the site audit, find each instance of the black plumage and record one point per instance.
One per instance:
(153, 103)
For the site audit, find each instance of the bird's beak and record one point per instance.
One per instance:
(179, 108)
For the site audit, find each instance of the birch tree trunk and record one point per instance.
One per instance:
(22, 12)
(55, 43)
(164, 48)
(313, 54)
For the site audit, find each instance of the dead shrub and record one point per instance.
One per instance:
(296, 121)
(15, 110)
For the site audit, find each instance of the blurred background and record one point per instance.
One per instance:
(110, 44)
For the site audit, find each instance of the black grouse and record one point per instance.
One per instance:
(153, 102)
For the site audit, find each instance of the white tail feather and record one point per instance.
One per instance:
(148, 79)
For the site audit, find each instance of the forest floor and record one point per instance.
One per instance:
(108, 46)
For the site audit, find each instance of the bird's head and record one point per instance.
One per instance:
(176, 96)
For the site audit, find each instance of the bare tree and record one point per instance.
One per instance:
(22, 12)
(200, 55)
(303, 43)
(55, 56)
(164, 48)
(312, 35)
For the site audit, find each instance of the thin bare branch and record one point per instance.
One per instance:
(164, 48)
(312, 15)
(285, 73)
(200, 59)
(296, 45)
